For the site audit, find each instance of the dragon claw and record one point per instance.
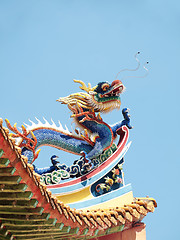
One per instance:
(125, 113)
(88, 165)
(84, 155)
(126, 116)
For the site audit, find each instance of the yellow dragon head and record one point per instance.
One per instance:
(104, 97)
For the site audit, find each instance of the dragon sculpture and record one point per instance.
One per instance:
(86, 107)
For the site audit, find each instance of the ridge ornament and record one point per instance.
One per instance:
(86, 107)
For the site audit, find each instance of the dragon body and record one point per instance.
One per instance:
(94, 136)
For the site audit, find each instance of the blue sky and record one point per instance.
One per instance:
(44, 45)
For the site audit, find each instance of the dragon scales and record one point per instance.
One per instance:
(86, 108)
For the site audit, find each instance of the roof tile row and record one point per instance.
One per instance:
(86, 222)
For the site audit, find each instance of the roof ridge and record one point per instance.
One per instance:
(93, 220)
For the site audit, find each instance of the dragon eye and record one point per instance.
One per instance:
(105, 86)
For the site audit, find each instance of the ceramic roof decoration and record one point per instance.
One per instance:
(87, 200)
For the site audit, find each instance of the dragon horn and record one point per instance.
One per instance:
(84, 87)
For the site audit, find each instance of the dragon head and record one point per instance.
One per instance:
(102, 98)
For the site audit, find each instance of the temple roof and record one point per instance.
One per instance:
(28, 210)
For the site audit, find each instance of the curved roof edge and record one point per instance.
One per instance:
(29, 211)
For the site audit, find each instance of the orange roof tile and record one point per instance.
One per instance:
(29, 211)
